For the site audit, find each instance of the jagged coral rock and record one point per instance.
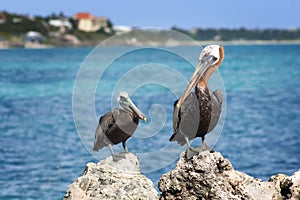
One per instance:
(112, 180)
(205, 176)
(211, 176)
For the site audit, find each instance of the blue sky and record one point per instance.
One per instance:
(168, 13)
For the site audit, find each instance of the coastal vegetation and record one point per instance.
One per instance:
(226, 34)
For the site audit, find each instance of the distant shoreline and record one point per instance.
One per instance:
(7, 45)
(253, 42)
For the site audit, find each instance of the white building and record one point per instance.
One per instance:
(122, 29)
(60, 23)
(89, 23)
(33, 36)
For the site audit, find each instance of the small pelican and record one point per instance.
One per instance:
(118, 125)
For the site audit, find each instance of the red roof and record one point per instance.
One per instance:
(83, 15)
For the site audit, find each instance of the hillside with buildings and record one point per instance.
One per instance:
(86, 29)
(55, 30)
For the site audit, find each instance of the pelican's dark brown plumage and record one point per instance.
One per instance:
(118, 125)
(197, 113)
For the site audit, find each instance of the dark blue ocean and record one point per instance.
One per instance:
(42, 151)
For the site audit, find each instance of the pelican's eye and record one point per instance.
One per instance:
(214, 58)
(209, 58)
(122, 98)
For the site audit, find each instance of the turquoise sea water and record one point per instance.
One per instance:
(41, 152)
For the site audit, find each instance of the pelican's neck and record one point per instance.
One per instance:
(203, 82)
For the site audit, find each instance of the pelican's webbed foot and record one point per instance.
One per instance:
(203, 147)
(190, 152)
(118, 157)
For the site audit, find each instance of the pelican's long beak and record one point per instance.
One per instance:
(202, 66)
(136, 110)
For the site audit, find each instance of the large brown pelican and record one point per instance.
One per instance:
(118, 125)
(197, 113)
